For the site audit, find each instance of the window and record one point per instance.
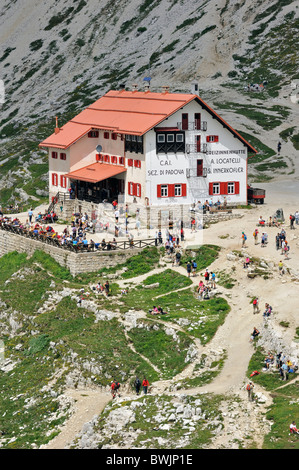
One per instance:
(160, 138)
(177, 190)
(138, 190)
(164, 190)
(121, 160)
(170, 142)
(114, 136)
(62, 181)
(134, 143)
(216, 188)
(137, 163)
(63, 156)
(106, 159)
(114, 159)
(93, 134)
(130, 162)
(233, 187)
(54, 179)
(171, 190)
(212, 138)
(54, 154)
(230, 188)
(134, 189)
(131, 189)
(106, 135)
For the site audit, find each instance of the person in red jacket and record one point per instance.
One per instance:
(145, 385)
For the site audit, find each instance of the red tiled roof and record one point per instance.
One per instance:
(96, 172)
(128, 112)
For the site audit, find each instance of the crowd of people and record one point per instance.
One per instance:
(74, 236)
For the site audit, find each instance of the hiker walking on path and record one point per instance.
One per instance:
(115, 385)
(194, 266)
(255, 234)
(137, 385)
(189, 268)
(255, 304)
(244, 238)
(145, 385)
(249, 389)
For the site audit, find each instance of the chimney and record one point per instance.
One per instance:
(146, 86)
(57, 128)
(134, 87)
(165, 89)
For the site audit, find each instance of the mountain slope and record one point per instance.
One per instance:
(58, 57)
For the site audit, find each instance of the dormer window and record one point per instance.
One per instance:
(93, 134)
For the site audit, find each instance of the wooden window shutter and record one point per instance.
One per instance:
(223, 188)
(54, 179)
(237, 187)
(158, 190)
(171, 190)
(211, 189)
(130, 162)
(184, 189)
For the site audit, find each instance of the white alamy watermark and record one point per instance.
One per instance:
(1, 354)
(2, 91)
(295, 87)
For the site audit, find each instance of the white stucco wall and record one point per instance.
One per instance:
(225, 161)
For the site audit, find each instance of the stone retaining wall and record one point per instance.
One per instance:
(75, 262)
(213, 217)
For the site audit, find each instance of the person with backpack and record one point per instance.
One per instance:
(207, 275)
(145, 385)
(268, 310)
(255, 304)
(178, 258)
(189, 267)
(255, 234)
(194, 267)
(244, 238)
(213, 280)
(137, 385)
(249, 388)
(115, 386)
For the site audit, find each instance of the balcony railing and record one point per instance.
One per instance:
(193, 126)
(193, 173)
(195, 148)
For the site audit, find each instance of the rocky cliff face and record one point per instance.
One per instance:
(57, 57)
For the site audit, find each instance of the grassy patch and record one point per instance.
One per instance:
(166, 352)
